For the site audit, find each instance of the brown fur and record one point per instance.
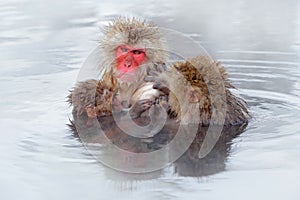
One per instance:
(136, 33)
(131, 31)
(98, 94)
(200, 87)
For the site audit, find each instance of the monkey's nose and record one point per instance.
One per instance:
(127, 64)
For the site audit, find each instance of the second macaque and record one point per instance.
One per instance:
(199, 92)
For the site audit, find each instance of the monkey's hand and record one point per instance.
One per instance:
(158, 75)
(139, 107)
(82, 97)
(123, 107)
(91, 111)
(92, 98)
(194, 95)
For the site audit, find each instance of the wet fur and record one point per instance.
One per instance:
(214, 102)
(99, 93)
(184, 78)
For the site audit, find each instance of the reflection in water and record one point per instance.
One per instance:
(94, 137)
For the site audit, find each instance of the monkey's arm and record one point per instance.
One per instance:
(91, 98)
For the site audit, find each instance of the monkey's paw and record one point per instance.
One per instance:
(91, 111)
(158, 75)
(139, 107)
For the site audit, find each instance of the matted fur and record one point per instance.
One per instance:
(194, 75)
(136, 33)
(209, 79)
(130, 31)
(98, 94)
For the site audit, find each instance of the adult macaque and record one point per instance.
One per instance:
(127, 48)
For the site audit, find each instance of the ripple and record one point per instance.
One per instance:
(269, 62)
(276, 98)
(258, 52)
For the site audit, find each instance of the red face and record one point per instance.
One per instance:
(129, 58)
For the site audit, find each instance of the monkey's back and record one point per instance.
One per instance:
(209, 78)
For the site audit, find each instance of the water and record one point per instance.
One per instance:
(42, 48)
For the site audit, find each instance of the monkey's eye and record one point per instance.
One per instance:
(124, 49)
(137, 51)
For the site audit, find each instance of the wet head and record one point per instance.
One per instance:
(131, 43)
(129, 58)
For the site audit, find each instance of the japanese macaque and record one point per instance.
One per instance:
(199, 92)
(127, 48)
(196, 91)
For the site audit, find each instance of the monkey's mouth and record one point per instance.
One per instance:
(127, 67)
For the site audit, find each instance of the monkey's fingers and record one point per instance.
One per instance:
(139, 107)
(150, 79)
(161, 87)
(194, 96)
(91, 112)
(152, 72)
(160, 67)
